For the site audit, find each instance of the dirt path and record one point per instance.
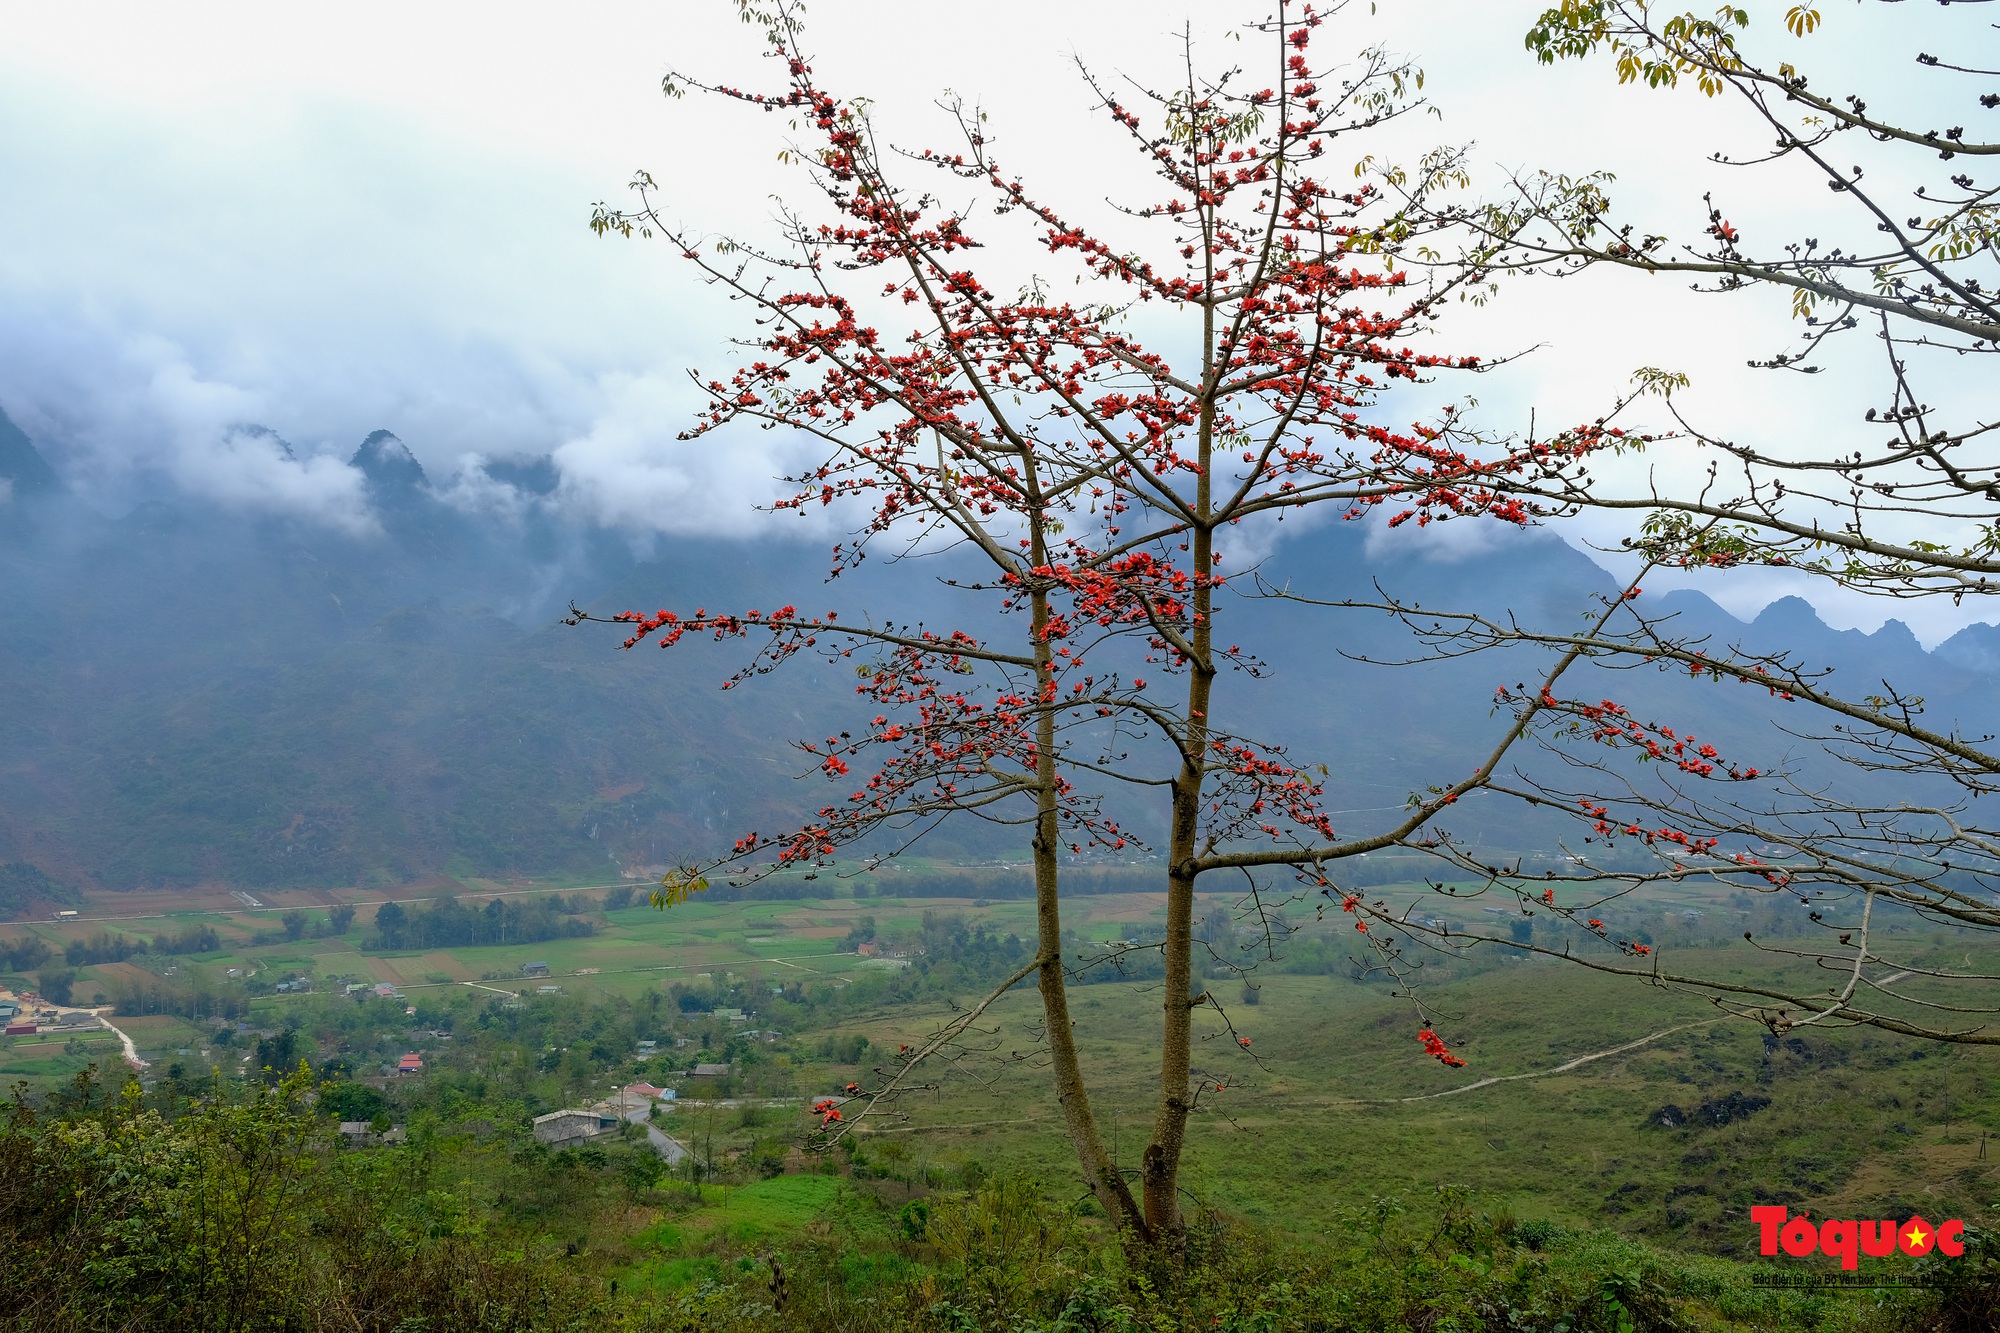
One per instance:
(131, 1049)
(1563, 1068)
(1559, 1069)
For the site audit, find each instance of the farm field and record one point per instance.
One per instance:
(1330, 1107)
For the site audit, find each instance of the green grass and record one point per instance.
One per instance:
(47, 1065)
(689, 1246)
(1310, 1127)
(1308, 1123)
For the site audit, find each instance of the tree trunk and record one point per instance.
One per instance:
(1161, 1171)
(1098, 1169)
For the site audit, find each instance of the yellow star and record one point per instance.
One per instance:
(1916, 1237)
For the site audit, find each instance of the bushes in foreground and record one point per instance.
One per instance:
(1004, 1257)
(241, 1212)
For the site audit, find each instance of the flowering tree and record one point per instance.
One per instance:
(1905, 504)
(1094, 479)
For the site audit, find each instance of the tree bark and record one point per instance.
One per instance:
(1161, 1169)
(1099, 1171)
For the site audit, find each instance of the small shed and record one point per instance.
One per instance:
(566, 1129)
(534, 969)
(710, 1071)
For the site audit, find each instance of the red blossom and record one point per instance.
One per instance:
(1434, 1046)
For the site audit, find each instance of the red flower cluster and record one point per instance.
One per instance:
(1091, 472)
(1435, 1048)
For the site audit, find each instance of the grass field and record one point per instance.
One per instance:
(1315, 1125)
(675, 1251)
(1330, 1108)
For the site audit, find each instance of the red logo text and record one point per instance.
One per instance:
(1799, 1236)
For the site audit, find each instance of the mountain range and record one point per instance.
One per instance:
(194, 695)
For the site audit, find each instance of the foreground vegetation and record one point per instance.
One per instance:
(1341, 1181)
(120, 1209)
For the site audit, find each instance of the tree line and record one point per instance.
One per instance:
(448, 923)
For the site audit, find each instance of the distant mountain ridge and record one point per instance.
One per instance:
(195, 695)
(1974, 648)
(392, 470)
(24, 472)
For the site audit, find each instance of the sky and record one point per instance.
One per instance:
(328, 220)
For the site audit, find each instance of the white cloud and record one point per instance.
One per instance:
(134, 411)
(472, 490)
(251, 469)
(333, 221)
(627, 470)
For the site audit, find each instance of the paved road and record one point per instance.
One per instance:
(667, 1146)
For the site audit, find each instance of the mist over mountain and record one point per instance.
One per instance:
(24, 473)
(198, 693)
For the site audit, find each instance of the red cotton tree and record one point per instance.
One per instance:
(1094, 477)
